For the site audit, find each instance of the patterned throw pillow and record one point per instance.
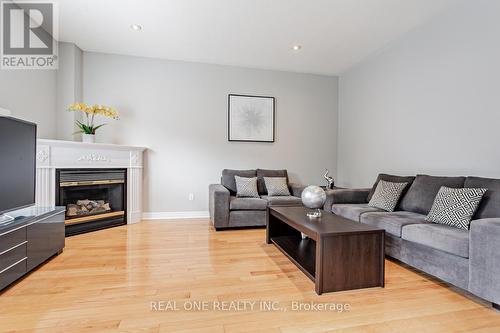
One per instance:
(455, 206)
(276, 186)
(386, 195)
(246, 187)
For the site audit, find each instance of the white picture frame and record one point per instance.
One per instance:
(251, 118)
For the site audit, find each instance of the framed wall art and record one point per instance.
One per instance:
(251, 118)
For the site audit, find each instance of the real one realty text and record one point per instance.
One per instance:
(242, 305)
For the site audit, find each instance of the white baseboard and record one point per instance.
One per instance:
(175, 215)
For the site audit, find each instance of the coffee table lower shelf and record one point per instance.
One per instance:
(302, 252)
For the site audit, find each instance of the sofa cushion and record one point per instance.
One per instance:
(283, 200)
(455, 206)
(423, 190)
(276, 186)
(392, 179)
(490, 204)
(246, 187)
(387, 195)
(261, 173)
(352, 211)
(247, 204)
(392, 222)
(439, 237)
(227, 179)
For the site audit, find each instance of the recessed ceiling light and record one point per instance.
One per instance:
(297, 47)
(136, 27)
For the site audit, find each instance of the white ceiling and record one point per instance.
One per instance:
(335, 34)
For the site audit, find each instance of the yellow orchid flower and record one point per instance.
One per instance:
(90, 112)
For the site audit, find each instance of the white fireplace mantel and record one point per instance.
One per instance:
(55, 154)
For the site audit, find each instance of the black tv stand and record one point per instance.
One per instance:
(30, 238)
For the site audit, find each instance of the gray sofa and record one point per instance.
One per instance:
(469, 259)
(228, 211)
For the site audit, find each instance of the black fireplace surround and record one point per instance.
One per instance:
(94, 198)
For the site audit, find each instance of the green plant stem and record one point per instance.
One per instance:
(88, 127)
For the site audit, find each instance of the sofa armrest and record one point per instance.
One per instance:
(484, 259)
(218, 205)
(346, 196)
(296, 189)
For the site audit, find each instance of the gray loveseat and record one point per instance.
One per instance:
(469, 259)
(228, 211)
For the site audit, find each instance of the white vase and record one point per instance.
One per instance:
(88, 138)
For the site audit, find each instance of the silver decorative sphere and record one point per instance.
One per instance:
(313, 197)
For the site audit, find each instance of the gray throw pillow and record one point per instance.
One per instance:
(276, 186)
(455, 206)
(386, 195)
(391, 178)
(246, 187)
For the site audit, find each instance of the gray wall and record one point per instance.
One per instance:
(179, 111)
(31, 95)
(427, 103)
(41, 96)
(68, 89)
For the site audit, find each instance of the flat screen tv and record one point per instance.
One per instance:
(17, 164)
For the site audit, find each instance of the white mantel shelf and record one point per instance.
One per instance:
(77, 144)
(55, 154)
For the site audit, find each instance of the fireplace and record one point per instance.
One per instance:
(94, 198)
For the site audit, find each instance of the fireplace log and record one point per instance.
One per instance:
(85, 207)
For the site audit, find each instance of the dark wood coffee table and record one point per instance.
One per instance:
(338, 254)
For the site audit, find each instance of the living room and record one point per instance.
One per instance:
(247, 166)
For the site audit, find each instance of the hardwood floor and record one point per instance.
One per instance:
(105, 282)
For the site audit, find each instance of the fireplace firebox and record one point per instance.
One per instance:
(94, 198)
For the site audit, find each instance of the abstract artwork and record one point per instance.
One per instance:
(250, 118)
